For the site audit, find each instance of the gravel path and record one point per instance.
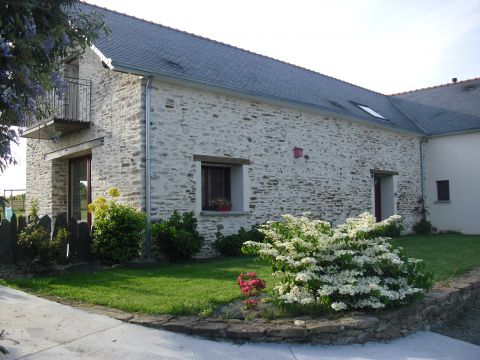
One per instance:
(466, 327)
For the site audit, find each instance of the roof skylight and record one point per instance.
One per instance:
(371, 111)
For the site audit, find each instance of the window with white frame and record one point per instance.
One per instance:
(222, 184)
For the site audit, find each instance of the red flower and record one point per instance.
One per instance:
(250, 285)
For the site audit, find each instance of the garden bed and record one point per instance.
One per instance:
(184, 297)
(441, 304)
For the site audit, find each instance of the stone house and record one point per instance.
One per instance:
(180, 122)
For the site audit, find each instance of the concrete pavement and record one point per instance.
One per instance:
(41, 329)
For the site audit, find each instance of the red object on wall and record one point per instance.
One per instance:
(297, 152)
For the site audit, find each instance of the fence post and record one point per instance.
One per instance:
(46, 223)
(60, 222)
(14, 237)
(84, 242)
(5, 244)
(73, 247)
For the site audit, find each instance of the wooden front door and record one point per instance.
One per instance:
(80, 189)
(378, 198)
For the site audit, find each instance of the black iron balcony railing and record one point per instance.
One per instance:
(70, 109)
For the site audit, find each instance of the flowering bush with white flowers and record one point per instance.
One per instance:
(343, 268)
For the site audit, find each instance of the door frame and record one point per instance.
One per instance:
(89, 185)
(377, 196)
(382, 174)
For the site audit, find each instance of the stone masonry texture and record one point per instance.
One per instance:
(118, 116)
(332, 180)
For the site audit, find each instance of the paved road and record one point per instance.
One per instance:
(41, 329)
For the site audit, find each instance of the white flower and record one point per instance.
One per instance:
(317, 261)
(337, 306)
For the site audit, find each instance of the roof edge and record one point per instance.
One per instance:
(455, 133)
(435, 86)
(105, 60)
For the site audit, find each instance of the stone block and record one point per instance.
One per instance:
(287, 331)
(382, 326)
(155, 321)
(324, 326)
(359, 322)
(210, 329)
(181, 324)
(246, 331)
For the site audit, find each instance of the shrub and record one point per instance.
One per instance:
(33, 210)
(177, 238)
(118, 230)
(423, 227)
(349, 267)
(390, 229)
(231, 245)
(39, 251)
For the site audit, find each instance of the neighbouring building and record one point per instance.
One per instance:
(449, 116)
(180, 122)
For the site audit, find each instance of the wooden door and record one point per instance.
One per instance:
(378, 198)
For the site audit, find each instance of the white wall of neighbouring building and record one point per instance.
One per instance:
(455, 158)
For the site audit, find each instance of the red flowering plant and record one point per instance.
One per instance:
(250, 286)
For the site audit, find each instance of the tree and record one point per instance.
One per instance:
(34, 36)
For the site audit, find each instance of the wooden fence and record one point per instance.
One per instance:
(76, 250)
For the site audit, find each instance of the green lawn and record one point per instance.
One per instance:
(197, 287)
(171, 288)
(446, 255)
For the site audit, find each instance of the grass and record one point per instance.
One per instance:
(192, 288)
(197, 287)
(446, 255)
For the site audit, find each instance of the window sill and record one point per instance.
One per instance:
(442, 202)
(223, 213)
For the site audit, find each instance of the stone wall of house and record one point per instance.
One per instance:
(117, 116)
(332, 180)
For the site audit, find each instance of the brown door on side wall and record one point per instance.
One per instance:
(79, 189)
(378, 198)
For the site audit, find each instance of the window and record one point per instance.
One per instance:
(222, 185)
(371, 111)
(443, 190)
(216, 188)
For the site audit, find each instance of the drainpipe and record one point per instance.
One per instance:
(422, 171)
(148, 172)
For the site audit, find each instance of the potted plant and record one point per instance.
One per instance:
(222, 204)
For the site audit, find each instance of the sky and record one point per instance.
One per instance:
(387, 46)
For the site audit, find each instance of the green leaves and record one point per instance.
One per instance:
(117, 232)
(34, 35)
(178, 238)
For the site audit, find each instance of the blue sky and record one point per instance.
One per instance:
(387, 46)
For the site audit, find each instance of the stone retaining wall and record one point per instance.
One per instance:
(444, 302)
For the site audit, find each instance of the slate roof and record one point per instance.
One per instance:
(140, 46)
(444, 109)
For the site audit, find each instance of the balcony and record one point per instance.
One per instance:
(70, 112)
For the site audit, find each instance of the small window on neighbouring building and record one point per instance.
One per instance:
(371, 111)
(443, 190)
(216, 188)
